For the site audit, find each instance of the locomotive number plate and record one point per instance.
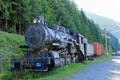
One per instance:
(38, 64)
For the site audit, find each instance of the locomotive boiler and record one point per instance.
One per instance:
(48, 47)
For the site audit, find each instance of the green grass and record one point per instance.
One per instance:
(9, 45)
(62, 72)
(99, 59)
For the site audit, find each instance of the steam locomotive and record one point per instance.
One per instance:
(51, 46)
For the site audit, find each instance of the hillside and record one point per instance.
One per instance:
(112, 27)
(9, 45)
(61, 12)
(100, 19)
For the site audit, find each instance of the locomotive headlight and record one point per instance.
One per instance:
(35, 20)
(38, 19)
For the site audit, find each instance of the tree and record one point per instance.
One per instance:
(5, 9)
(18, 14)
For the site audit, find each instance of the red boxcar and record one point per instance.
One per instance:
(98, 48)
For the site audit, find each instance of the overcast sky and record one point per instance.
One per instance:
(107, 8)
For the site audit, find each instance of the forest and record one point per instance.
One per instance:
(17, 15)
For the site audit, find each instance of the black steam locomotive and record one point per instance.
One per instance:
(49, 47)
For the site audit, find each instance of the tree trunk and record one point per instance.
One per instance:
(20, 28)
(6, 23)
(14, 28)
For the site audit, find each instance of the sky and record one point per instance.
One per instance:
(107, 8)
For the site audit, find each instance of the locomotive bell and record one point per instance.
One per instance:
(35, 34)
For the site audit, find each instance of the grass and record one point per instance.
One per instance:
(61, 72)
(100, 59)
(9, 46)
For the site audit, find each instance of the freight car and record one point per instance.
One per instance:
(48, 47)
(98, 49)
(90, 52)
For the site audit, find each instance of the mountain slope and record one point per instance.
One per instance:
(100, 19)
(9, 45)
(111, 25)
